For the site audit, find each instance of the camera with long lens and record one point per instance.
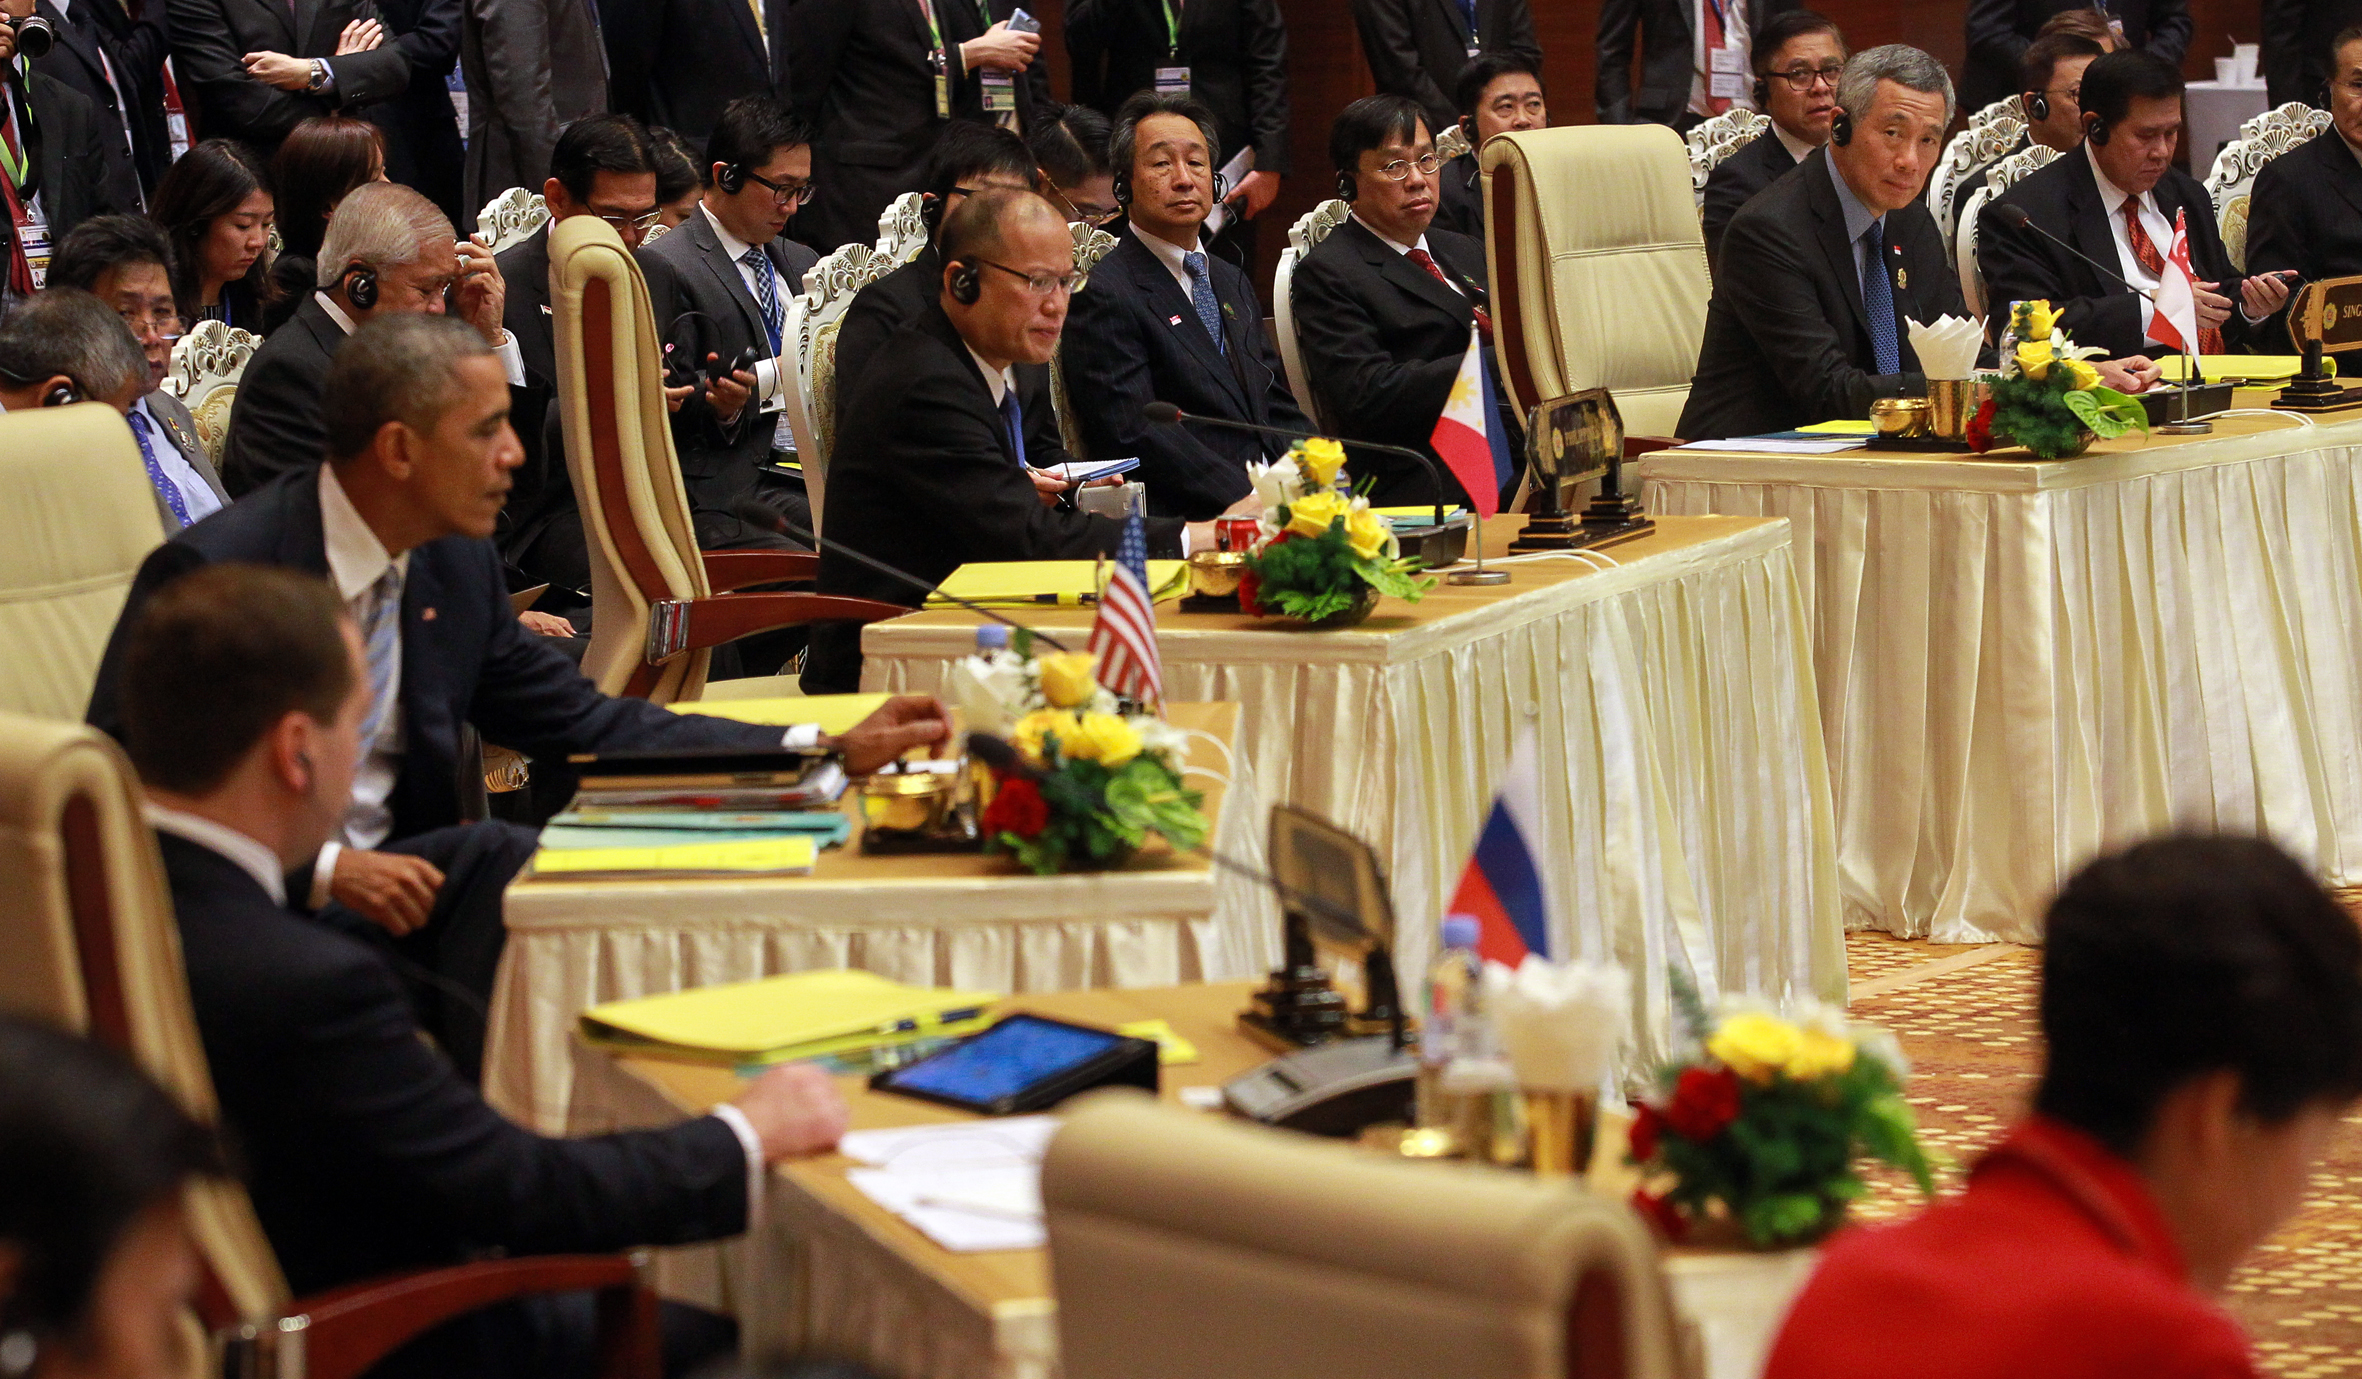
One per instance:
(34, 37)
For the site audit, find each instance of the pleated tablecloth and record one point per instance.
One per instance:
(1685, 808)
(2024, 663)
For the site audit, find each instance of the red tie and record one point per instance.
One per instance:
(1710, 14)
(1484, 320)
(20, 270)
(2144, 249)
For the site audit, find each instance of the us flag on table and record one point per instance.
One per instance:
(1123, 635)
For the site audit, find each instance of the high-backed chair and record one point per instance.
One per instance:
(1450, 142)
(659, 604)
(203, 374)
(1181, 1245)
(1304, 236)
(511, 217)
(2001, 177)
(87, 941)
(813, 319)
(1598, 268)
(1990, 133)
(2260, 140)
(82, 517)
(1710, 141)
(902, 230)
(1091, 244)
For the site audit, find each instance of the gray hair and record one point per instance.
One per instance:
(1899, 63)
(403, 367)
(67, 331)
(382, 224)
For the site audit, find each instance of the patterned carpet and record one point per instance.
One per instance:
(1965, 1016)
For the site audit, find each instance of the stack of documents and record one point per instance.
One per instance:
(970, 1186)
(1062, 583)
(783, 1019)
(1783, 443)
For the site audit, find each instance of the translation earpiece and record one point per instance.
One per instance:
(967, 283)
(1841, 128)
(2039, 107)
(360, 285)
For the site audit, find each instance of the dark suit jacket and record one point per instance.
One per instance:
(1737, 180)
(1459, 204)
(421, 129)
(210, 36)
(688, 271)
(533, 66)
(69, 148)
(1660, 30)
(1132, 338)
(365, 1152)
(1416, 48)
(924, 478)
(1383, 342)
(75, 62)
(2306, 213)
(2000, 30)
(1786, 341)
(465, 659)
(866, 84)
(2064, 198)
(275, 425)
(1236, 52)
(2297, 34)
(679, 62)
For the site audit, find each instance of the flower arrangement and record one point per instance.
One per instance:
(1094, 782)
(2048, 398)
(1766, 1119)
(1323, 555)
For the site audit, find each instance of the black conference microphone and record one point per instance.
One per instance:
(754, 514)
(1165, 413)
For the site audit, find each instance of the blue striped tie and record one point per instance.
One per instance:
(1201, 296)
(381, 632)
(767, 296)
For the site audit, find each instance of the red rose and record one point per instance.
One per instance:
(1980, 428)
(1248, 587)
(1703, 1103)
(1017, 807)
(1642, 1138)
(1661, 1213)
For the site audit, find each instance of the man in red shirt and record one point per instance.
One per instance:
(2202, 1003)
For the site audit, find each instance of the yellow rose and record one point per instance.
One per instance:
(2034, 357)
(1820, 1055)
(1756, 1046)
(1030, 731)
(1066, 677)
(1320, 458)
(2041, 319)
(1312, 514)
(2080, 374)
(1366, 532)
(1103, 738)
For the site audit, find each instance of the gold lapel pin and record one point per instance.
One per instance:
(1903, 278)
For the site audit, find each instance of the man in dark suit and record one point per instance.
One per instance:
(101, 52)
(259, 70)
(679, 63)
(61, 180)
(420, 127)
(2305, 214)
(1672, 88)
(720, 285)
(2117, 201)
(245, 691)
(1164, 320)
(1384, 306)
(533, 67)
(1416, 48)
(1999, 30)
(1797, 58)
(2300, 38)
(419, 457)
(930, 471)
(392, 247)
(1232, 55)
(1498, 93)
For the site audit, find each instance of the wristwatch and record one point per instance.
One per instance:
(319, 81)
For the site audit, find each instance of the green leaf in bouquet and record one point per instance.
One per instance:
(1394, 579)
(1782, 1217)
(2096, 416)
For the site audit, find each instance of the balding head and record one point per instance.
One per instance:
(996, 247)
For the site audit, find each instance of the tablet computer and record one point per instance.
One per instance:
(1024, 1063)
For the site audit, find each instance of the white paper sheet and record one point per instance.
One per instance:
(963, 1210)
(968, 1144)
(1233, 172)
(1781, 445)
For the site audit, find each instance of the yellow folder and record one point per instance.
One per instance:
(832, 713)
(801, 1015)
(749, 857)
(1062, 583)
(2172, 368)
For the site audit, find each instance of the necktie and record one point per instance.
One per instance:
(1468, 12)
(766, 295)
(1201, 296)
(2144, 251)
(1878, 299)
(12, 175)
(1013, 416)
(1484, 319)
(1711, 24)
(165, 488)
(381, 631)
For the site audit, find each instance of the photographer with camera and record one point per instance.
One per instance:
(53, 163)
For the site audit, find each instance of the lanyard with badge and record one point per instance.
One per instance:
(1000, 88)
(940, 59)
(28, 260)
(1172, 79)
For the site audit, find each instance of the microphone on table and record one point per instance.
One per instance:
(754, 514)
(1165, 413)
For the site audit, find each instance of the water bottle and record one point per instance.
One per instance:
(1453, 1027)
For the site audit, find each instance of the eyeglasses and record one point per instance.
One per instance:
(783, 194)
(2074, 94)
(1088, 215)
(164, 323)
(1043, 284)
(642, 221)
(1400, 168)
(1806, 78)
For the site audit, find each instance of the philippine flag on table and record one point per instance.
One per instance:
(1469, 436)
(2175, 320)
(1502, 886)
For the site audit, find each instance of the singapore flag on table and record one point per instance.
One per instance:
(1468, 436)
(2175, 320)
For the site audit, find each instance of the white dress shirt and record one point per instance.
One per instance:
(195, 494)
(1797, 148)
(1172, 256)
(249, 854)
(355, 560)
(2153, 220)
(1404, 249)
(783, 436)
(512, 359)
(1000, 381)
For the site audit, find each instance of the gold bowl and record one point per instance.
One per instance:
(1899, 417)
(908, 800)
(1216, 574)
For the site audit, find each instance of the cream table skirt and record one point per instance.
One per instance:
(2022, 664)
(1685, 807)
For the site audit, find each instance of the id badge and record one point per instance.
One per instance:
(1000, 92)
(1726, 77)
(33, 233)
(1474, 52)
(1172, 81)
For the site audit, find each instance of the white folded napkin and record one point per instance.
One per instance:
(1561, 1024)
(1947, 347)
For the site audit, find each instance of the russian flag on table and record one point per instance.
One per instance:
(1502, 886)
(1469, 436)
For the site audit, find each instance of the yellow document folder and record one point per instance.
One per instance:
(745, 857)
(831, 713)
(801, 1015)
(2173, 368)
(1067, 583)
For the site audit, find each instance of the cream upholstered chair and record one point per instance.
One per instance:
(82, 518)
(511, 217)
(1598, 268)
(2001, 177)
(1304, 236)
(87, 941)
(659, 605)
(2260, 140)
(1710, 141)
(1181, 1245)
(203, 374)
(1990, 134)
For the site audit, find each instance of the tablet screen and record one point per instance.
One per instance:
(1004, 1060)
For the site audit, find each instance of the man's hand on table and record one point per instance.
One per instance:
(394, 891)
(901, 723)
(796, 1111)
(2131, 374)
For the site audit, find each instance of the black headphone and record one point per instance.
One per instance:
(2095, 128)
(360, 285)
(967, 282)
(731, 179)
(2039, 107)
(1123, 188)
(1348, 186)
(1841, 128)
(63, 395)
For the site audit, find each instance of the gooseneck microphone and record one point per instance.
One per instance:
(754, 514)
(1166, 414)
(2015, 217)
